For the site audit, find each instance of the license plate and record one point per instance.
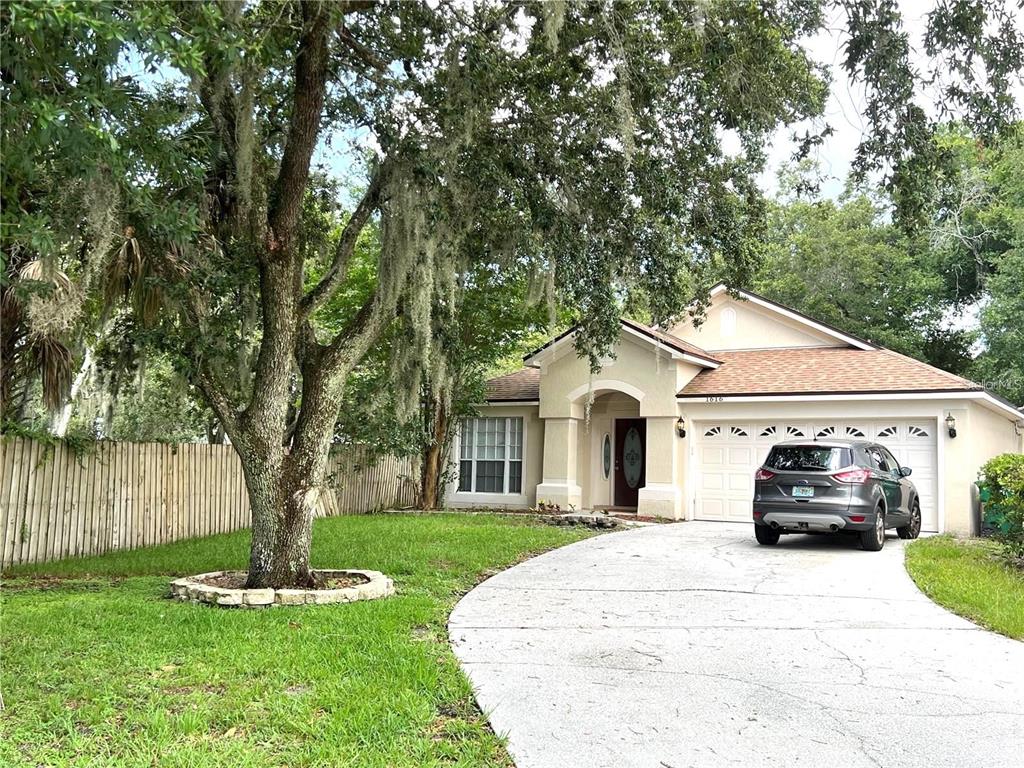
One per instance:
(803, 491)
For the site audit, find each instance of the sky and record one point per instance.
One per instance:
(341, 153)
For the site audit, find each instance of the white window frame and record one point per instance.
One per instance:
(504, 495)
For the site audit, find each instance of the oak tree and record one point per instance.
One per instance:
(580, 141)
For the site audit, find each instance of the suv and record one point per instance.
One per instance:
(843, 485)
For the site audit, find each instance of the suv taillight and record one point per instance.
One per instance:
(855, 475)
(763, 474)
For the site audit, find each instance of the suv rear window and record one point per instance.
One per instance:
(808, 457)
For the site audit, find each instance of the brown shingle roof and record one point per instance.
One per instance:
(818, 371)
(674, 342)
(791, 371)
(654, 334)
(521, 385)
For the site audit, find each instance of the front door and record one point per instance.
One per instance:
(630, 469)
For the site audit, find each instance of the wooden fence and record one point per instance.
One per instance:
(55, 503)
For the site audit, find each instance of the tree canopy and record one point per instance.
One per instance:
(579, 144)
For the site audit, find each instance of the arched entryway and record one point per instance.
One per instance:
(613, 452)
(609, 445)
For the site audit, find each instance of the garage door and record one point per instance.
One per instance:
(728, 453)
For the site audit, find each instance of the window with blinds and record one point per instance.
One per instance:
(491, 455)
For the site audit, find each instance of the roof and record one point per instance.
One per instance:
(782, 309)
(821, 370)
(673, 342)
(684, 349)
(861, 368)
(521, 386)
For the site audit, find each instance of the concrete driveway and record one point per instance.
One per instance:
(690, 645)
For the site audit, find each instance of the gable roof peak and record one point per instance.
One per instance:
(792, 314)
(678, 348)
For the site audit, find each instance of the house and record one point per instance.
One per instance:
(679, 419)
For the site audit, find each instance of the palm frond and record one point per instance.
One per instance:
(54, 361)
(37, 270)
(124, 271)
(148, 301)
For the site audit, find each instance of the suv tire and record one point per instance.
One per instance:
(874, 540)
(765, 535)
(913, 528)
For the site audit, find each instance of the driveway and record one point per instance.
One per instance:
(690, 645)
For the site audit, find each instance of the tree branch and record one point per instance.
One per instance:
(349, 346)
(209, 385)
(346, 245)
(310, 89)
(363, 53)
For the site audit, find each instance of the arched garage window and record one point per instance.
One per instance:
(491, 455)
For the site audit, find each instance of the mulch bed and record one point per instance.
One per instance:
(236, 580)
(338, 582)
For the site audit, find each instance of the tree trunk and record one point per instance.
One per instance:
(214, 432)
(301, 478)
(284, 489)
(289, 566)
(61, 420)
(262, 471)
(433, 456)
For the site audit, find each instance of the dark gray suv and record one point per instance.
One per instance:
(832, 486)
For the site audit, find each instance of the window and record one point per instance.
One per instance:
(882, 459)
(491, 455)
(894, 466)
(795, 458)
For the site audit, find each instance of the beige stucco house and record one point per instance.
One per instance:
(679, 420)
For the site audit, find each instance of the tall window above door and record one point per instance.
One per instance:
(491, 455)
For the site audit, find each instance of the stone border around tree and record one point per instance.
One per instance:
(191, 588)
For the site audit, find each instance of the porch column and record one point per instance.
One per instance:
(560, 485)
(662, 494)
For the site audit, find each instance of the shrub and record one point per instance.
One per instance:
(1002, 483)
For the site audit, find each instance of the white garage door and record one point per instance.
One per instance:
(728, 454)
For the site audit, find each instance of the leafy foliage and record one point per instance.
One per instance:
(843, 263)
(576, 146)
(990, 251)
(162, 408)
(1003, 478)
(961, 40)
(76, 140)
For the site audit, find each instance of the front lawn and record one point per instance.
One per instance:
(966, 578)
(100, 669)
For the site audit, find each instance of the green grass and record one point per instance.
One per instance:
(99, 668)
(966, 578)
